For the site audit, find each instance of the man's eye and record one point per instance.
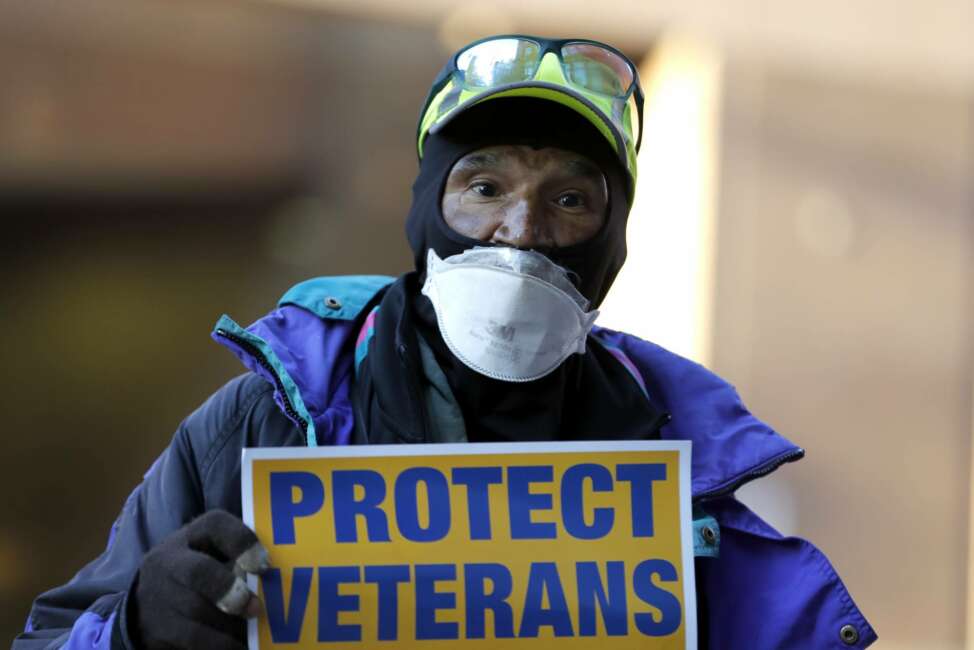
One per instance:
(570, 200)
(484, 189)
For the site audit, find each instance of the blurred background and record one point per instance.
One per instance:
(804, 226)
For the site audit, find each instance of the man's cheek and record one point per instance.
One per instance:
(476, 224)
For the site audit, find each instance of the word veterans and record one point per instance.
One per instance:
(486, 587)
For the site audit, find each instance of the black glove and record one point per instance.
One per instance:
(190, 592)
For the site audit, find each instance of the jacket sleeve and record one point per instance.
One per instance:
(89, 611)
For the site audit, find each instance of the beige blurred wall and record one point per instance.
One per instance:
(844, 313)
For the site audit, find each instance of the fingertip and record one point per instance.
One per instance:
(254, 607)
(236, 600)
(254, 559)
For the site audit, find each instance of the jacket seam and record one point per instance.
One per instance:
(825, 568)
(828, 570)
(232, 423)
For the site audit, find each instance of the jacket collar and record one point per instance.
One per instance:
(306, 348)
(730, 446)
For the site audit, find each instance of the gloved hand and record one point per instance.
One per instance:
(190, 592)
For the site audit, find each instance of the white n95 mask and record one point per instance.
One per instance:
(509, 314)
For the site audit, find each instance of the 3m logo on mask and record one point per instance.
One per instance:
(500, 331)
(497, 341)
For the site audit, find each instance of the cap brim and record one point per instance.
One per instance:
(550, 92)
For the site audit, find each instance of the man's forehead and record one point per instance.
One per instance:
(506, 156)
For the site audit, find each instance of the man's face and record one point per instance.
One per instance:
(521, 196)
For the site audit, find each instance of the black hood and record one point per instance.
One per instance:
(588, 397)
(521, 121)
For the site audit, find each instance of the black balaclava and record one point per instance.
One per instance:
(521, 121)
(588, 397)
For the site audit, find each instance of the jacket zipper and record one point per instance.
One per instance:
(418, 408)
(756, 473)
(252, 349)
(659, 422)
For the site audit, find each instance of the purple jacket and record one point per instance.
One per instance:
(762, 590)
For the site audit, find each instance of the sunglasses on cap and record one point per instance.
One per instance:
(593, 78)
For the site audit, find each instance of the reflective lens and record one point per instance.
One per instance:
(601, 79)
(501, 61)
(597, 69)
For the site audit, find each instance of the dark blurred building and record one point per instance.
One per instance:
(161, 164)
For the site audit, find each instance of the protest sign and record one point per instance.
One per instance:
(526, 545)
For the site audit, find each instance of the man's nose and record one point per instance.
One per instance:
(522, 225)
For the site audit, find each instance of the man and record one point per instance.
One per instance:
(528, 150)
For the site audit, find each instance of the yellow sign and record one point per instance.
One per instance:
(527, 545)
